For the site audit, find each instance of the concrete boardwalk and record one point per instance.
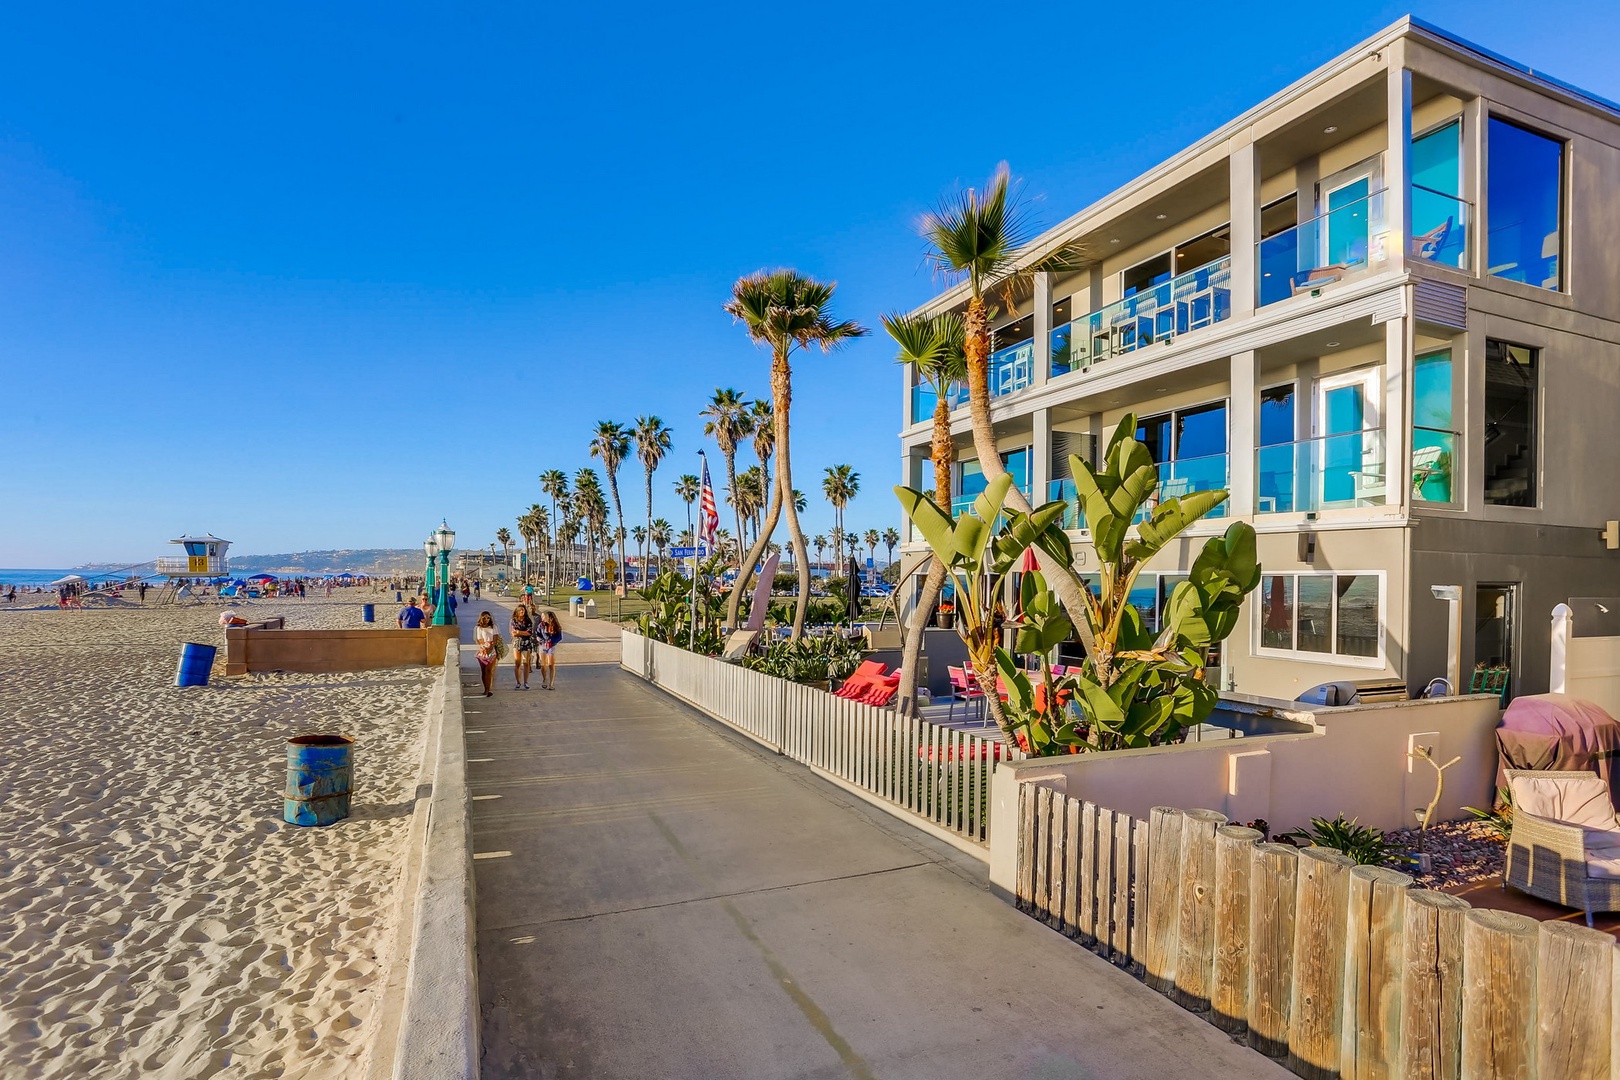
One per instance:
(658, 897)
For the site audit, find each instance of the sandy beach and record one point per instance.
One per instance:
(157, 917)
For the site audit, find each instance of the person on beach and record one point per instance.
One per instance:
(488, 650)
(522, 646)
(478, 590)
(411, 617)
(549, 634)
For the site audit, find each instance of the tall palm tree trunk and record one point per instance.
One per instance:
(782, 395)
(649, 524)
(618, 512)
(943, 453)
(736, 497)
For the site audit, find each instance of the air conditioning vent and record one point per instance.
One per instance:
(1441, 303)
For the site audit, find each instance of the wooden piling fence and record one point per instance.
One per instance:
(1335, 969)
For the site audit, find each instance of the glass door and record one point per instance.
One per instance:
(1348, 447)
(1494, 611)
(1344, 203)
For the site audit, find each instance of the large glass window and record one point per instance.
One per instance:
(1275, 482)
(1509, 444)
(1324, 614)
(1189, 446)
(1524, 205)
(1434, 442)
(1439, 217)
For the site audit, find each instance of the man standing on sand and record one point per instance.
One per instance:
(411, 617)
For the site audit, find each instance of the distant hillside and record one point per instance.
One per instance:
(354, 560)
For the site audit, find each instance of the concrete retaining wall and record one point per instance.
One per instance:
(1355, 762)
(438, 1021)
(254, 648)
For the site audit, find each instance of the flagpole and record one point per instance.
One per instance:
(691, 641)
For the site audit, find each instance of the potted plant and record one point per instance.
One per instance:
(945, 615)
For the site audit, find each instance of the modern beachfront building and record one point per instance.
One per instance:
(1381, 308)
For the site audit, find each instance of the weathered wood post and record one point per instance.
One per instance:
(1372, 974)
(1316, 1010)
(1040, 904)
(1273, 876)
(1025, 886)
(1163, 898)
(1195, 952)
(1229, 999)
(1431, 986)
(1574, 973)
(1499, 995)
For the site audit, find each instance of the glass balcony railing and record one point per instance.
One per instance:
(1434, 451)
(1187, 302)
(923, 400)
(1326, 473)
(1074, 516)
(1440, 226)
(1012, 369)
(1185, 476)
(961, 504)
(1347, 238)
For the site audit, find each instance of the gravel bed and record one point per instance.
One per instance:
(1461, 852)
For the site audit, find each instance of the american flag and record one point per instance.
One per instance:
(708, 516)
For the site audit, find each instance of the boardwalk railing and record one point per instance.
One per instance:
(1335, 969)
(936, 776)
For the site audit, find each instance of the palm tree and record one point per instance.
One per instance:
(872, 538)
(820, 543)
(653, 441)
(591, 509)
(660, 539)
(687, 489)
(976, 237)
(611, 443)
(764, 445)
(554, 482)
(639, 535)
(750, 497)
(934, 347)
(784, 310)
(729, 422)
(891, 540)
(840, 484)
(503, 537)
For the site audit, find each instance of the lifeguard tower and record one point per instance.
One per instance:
(204, 558)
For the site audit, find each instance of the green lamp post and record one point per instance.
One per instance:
(430, 548)
(445, 542)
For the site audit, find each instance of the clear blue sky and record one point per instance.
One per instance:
(497, 225)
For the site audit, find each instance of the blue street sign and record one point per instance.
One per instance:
(869, 563)
(688, 552)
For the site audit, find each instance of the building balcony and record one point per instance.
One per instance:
(1187, 302)
(1176, 478)
(1326, 473)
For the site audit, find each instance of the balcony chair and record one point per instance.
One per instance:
(1564, 843)
(862, 680)
(1311, 280)
(1429, 245)
(1425, 466)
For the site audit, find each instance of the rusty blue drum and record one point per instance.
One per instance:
(196, 661)
(320, 773)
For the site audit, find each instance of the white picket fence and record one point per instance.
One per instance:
(938, 774)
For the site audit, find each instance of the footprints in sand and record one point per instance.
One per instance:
(156, 916)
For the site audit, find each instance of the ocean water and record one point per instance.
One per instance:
(32, 576)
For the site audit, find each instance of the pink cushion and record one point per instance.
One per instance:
(1583, 802)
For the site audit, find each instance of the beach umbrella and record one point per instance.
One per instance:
(69, 580)
(262, 577)
(852, 588)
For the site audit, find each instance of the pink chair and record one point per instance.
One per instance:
(963, 688)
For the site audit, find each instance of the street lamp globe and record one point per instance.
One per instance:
(430, 546)
(446, 537)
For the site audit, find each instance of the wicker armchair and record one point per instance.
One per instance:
(1549, 859)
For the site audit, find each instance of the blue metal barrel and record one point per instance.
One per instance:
(195, 663)
(320, 772)
(368, 612)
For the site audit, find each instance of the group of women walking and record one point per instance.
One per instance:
(535, 636)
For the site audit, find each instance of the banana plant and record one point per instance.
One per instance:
(978, 557)
(1137, 688)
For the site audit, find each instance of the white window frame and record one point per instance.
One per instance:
(1330, 659)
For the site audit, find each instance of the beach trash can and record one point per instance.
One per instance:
(590, 609)
(575, 603)
(195, 662)
(368, 612)
(399, 597)
(320, 773)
